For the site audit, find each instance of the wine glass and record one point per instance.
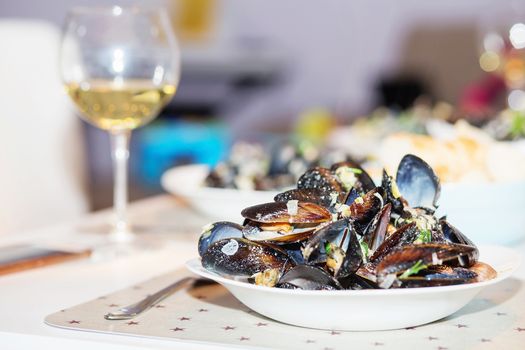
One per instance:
(120, 66)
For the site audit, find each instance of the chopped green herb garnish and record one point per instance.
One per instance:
(365, 250)
(425, 236)
(355, 170)
(418, 266)
(328, 247)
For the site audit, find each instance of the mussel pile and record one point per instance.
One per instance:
(338, 230)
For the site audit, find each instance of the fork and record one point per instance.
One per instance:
(135, 309)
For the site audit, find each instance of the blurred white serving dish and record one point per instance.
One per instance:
(364, 310)
(224, 204)
(488, 213)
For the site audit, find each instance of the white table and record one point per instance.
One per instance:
(27, 297)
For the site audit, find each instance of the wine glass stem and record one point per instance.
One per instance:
(120, 156)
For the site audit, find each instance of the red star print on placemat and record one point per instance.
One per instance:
(177, 329)
(184, 318)
(73, 322)
(132, 323)
(228, 328)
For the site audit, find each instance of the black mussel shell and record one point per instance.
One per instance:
(362, 212)
(405, 235)
(351, 196)
(341, 235)
(387, 193)
(417, 182)
(241, 257)
(376, 232)
(277, 233)
(453, 235)
(427, 254)
(314, 249)
(217, 231)
(312, 195)
(308, 278)
(294, 251)
(364, 182)
(322, 179)
(277, 212)
(353, 255)
(439, 276)
(356, 282)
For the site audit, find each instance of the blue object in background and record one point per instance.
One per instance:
(167, 143)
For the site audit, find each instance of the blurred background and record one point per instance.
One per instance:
(257, 69)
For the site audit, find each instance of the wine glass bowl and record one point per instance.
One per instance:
(120, 66)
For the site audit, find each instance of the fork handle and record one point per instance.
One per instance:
(133, 310)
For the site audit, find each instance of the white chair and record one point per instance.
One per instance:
(42, 167)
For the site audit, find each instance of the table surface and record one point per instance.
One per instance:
(27, 297)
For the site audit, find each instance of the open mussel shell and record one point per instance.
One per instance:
(314, 249)
(278, 212)
(440, 275)
(241, 257)
(363, 183)
(376, 232)
(308, 278)
(427, 254)
(403, 236)
(217, 231)
(363, 210)
(337, 246)
(278, 233)
(312, 195)
(389, 192)
(417, 182)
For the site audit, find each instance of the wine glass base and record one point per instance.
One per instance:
(121, 236)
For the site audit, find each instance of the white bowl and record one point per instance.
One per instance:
(488, 213)
(222, 204)
(363, 310)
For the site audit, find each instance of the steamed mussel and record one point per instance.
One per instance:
(338, 230)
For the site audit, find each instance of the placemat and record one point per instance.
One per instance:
(209, 313)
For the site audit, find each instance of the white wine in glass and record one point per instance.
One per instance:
(120, 66)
